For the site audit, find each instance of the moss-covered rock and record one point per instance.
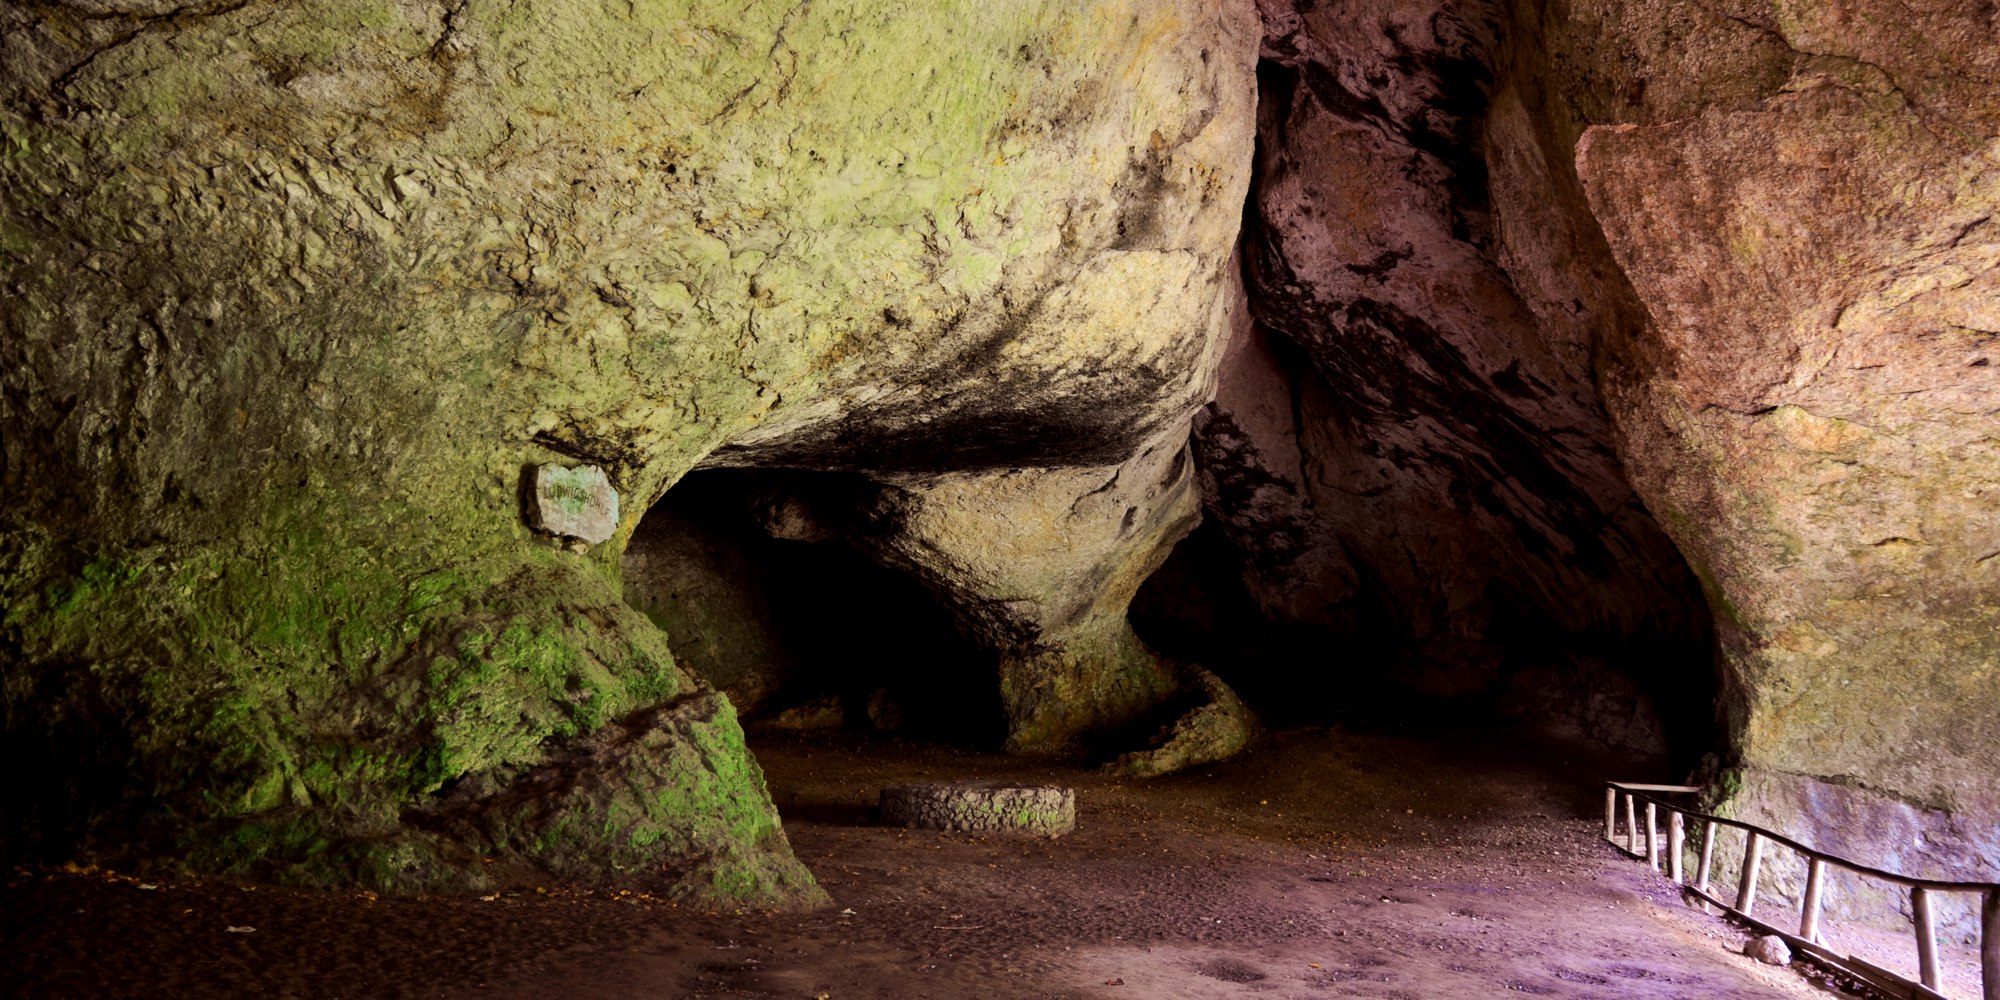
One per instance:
(670, 782)
(296, 293)
(1218, 727)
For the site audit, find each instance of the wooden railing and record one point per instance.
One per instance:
(1808, 939)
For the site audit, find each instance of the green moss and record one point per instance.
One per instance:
(692, 795)
(507, 692)
(303, 595)
(310, 689)
(1100, 681)
(1718, 599)
(96, 584)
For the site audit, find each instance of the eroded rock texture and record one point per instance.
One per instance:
(1411, 461)
(1506, 259)
(1764, 226)
(1026, 559)
(295, 293)
(1804, 201)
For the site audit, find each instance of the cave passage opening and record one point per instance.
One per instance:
(1644, 702)
(796, 626)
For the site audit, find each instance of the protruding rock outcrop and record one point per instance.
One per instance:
(1041, 565)
(1036, 568)
(296, 293)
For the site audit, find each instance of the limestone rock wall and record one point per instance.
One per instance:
(1567, 329)
(1803, 199)
(1606, 317)
(296, 293)
(1411, 459)
(1759, 234)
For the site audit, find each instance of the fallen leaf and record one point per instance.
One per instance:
(1114, 982)
(1312, 965)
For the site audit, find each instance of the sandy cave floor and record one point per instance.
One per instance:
(1323, 863)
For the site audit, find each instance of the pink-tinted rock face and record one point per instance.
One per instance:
(1404, 449)
(1522, 274)
(1814, 404)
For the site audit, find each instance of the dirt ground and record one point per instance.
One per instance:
(1323, 863)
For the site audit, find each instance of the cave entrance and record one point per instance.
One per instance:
(1640, 703)
(804, 634)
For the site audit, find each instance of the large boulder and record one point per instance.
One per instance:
(297, 295)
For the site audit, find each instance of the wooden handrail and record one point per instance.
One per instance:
(1808, 940)
(1906, 881)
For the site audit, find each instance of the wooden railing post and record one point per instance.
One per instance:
(1707, 863)
(1927, 959)
(1753, 860)
(1676, 846)
(1989, 945)
(1652, 837)
(1812, 903)
(1809, 907)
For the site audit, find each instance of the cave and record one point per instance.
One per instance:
(1202, 498)
(797, 627)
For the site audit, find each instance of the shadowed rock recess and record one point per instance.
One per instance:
(1408, 463)
(1047, 372)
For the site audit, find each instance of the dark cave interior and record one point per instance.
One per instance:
(786, 625)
